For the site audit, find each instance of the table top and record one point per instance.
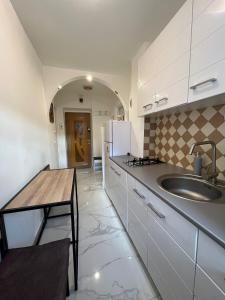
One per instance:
(51, 187)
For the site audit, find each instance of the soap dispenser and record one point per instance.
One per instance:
(198, 164)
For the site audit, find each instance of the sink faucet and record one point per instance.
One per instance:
(214, 173)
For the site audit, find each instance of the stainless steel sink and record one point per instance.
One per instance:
(191, 188)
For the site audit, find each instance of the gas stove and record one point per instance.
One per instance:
(139, 162)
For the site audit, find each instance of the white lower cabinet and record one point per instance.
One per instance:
(167, 242)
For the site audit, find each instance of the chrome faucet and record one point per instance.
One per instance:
(214, 173)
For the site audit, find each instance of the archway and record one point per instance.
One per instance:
(72, 98)
(95, 79)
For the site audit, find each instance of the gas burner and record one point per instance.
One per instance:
(146, 161)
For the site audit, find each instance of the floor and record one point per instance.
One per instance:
(109, 268)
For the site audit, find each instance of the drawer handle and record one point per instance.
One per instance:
(210, 80)
(112, 168)
(164, 99)
(139, 194)
(117, 173)
(159, 214)
(147, 106)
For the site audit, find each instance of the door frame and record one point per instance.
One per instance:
(77, 110)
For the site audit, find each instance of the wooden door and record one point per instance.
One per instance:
(78, 136)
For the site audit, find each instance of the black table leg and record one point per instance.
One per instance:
(77, 225)
(4, 246)
(73, 244)
(75, 236)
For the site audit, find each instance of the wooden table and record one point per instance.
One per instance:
(49, 188)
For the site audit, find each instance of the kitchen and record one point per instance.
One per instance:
(174, 217)
(151, 224)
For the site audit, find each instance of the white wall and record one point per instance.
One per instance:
(137, 123)
(23, 121)
(69, 101)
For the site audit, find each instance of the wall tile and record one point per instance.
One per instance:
(170, 137)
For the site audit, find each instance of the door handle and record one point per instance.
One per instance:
(210, 80)
(165, 99)
(139, 194)
(147, 106)
(158, 213)
(117, 173)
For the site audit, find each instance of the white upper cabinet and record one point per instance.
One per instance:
(207, 76)
(163, 70)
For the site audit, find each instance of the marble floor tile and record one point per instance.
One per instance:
(109, 268)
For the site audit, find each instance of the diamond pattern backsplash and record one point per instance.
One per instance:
(170, 137)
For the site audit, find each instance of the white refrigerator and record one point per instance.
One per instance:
(116, 141)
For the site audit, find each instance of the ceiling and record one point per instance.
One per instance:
(99, 90)
(93, 35)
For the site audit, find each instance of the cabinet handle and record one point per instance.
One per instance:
(165, 99)
(147, 106)
(159, 214)
(139, 194)
(112, 168)
(195, 86)
(117, 173)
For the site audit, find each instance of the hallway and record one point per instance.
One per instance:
(108, 265)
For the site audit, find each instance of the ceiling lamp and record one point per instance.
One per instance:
(89, 78)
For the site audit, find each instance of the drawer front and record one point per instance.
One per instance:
(178, 259)
(120, 174)
(131, 181)
(205, 288)
(158, 261)
(182, 231)
(211, 258)
(138, 235)
(138, 207)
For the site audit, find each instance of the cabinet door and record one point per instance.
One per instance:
(183, 265)
(173, 56)
(211, 258)
(205, 288)
(146, 98)
(207, 77)
(146, 66)
(169, 283)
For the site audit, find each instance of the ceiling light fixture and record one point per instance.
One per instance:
(59, 87)
(89, 78)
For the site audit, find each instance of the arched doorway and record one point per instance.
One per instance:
(80, 110)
